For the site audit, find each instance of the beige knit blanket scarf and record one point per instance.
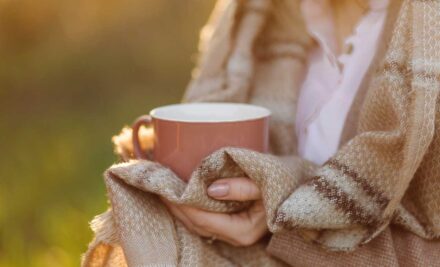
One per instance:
(388, 173)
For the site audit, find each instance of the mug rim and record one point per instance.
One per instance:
(262, 112)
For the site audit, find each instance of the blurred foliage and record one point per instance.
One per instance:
(72, 73)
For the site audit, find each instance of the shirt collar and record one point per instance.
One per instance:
(318, 17)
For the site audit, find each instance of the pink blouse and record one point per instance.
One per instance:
(332, 81)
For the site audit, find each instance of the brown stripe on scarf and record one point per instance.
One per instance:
(368, 188)
(343, 202)
(393, 67)
(430, 76)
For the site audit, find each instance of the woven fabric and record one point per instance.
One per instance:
(394, 247)
(387, 174)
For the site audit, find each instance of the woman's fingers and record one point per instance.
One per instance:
(240, 229)
(183, 218)
(239, 189)
(219, 224)
(193, 219)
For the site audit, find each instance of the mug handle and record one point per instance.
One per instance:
(137, 149)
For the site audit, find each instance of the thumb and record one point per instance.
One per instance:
(239, 189)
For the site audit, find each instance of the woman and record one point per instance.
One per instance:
(354, 91)
(348, 40)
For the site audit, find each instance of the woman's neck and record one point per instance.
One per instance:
(347, 14)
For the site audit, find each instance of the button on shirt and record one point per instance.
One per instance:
(332, 81)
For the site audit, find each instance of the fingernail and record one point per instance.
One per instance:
(218, 190)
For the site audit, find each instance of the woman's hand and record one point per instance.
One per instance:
(239, 229)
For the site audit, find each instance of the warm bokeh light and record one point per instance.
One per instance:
(72, 74)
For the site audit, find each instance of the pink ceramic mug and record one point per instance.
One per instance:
(186, 133)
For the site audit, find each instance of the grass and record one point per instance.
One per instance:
(63, 93)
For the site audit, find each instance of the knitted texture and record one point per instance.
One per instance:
(388, 173)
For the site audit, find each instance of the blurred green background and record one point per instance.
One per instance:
(72, 73)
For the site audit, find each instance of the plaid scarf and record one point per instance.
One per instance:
(388, 173)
